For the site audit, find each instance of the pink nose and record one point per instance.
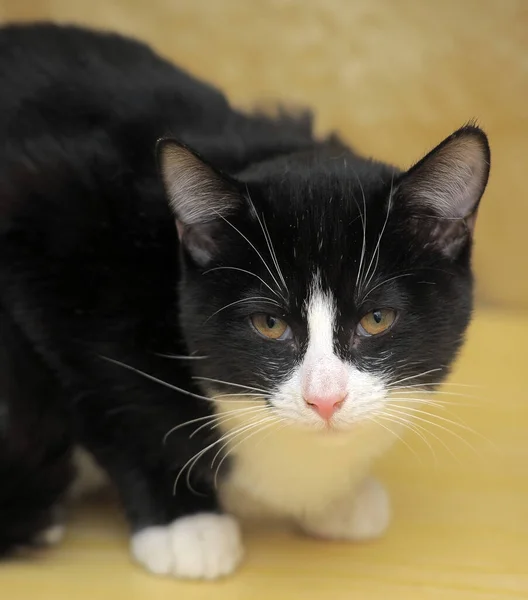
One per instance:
(326, 406)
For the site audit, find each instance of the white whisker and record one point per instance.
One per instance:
(269, 243)
(425, 401)
(415, 418)
(242, 394)
(376, 252)
(155, 379)
(180, 425)
(434, 393)
(384, 282)
(363, 216)
(225, 418)
(274, 255)
(265, 423)
(413, 410)
(428, 388)
(460, 423)
(196, 457)
(411, 427)
(249, 273)
(212, 417)
(416, 376)
(255, 423)
(242, 300)
(437, 383)
(192, 461)
(180, 357)
(230, 383)
(395, 434)
(255, 249)
(280, 421)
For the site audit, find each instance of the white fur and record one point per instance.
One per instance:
(361, 516)
(322, 373)
(298, 464)
(52, 535)
(290, 473)
(202, 546)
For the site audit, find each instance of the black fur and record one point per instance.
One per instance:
(91, 267)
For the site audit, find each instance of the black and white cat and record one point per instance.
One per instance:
(235, 324)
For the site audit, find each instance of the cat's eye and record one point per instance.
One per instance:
(271, 327)
(376, 322)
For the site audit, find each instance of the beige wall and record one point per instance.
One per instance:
(393, 76)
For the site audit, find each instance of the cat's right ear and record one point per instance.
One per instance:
(200, 197)
(445, 187)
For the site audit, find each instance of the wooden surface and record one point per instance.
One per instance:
(394, 78)
(460, 527)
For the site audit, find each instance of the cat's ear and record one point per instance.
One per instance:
(199, 196)
(445, 187)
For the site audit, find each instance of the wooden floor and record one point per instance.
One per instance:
(460, 529)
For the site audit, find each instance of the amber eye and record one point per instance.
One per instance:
(271, 327)
(376, 322)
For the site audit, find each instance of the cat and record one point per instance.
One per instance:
(234, 321)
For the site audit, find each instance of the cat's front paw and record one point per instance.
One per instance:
(364, 516)
(54, 532)
(51, 536)
(202, 546)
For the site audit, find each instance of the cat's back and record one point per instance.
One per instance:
(64, 78)
(80, 113)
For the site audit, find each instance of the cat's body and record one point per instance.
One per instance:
(125, 333)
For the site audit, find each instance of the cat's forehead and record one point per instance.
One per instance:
(325, 189)
(318, 226)
(323, 213)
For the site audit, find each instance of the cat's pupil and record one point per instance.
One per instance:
(270, 322)
(377, 316)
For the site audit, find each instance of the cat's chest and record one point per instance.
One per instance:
(290, 473)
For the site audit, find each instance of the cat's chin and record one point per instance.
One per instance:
(333, 436)
(325, 431)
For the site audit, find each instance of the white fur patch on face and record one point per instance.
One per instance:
(288, 459)
(325, 390)
(202, 546)
(324, 377)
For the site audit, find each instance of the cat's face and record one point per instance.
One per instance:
(327, 289)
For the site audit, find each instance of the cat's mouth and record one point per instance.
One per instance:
(321, 428)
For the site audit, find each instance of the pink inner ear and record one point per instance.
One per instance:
(451, 179)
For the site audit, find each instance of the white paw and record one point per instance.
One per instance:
(51, 536)
(202, 546)
(364, 516)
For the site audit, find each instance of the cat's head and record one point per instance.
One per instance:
(321, 285)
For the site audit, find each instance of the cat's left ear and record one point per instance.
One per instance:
(445, 187)
(200, 197)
